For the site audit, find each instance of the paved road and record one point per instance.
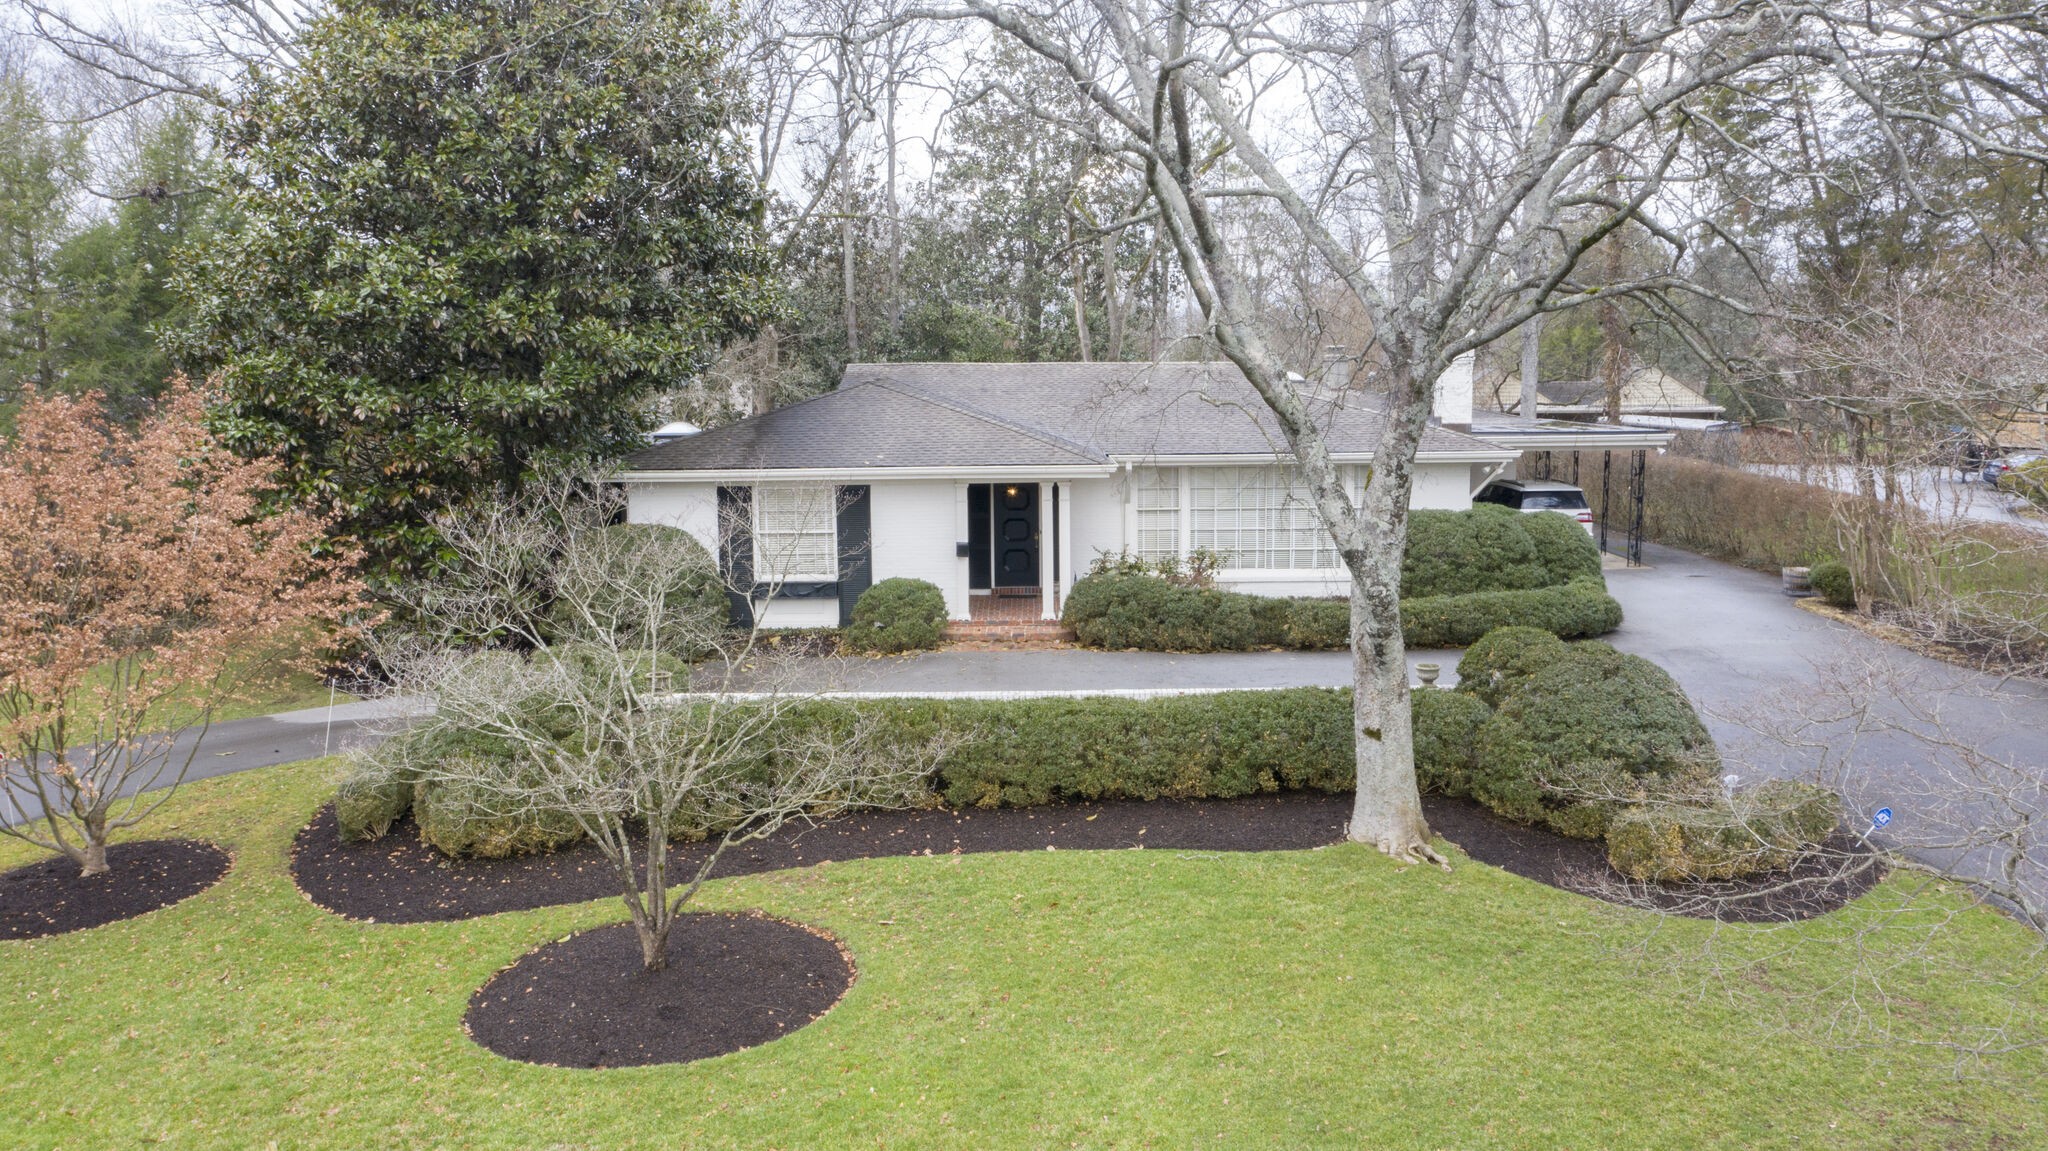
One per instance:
(1939, 492)
(265, 741)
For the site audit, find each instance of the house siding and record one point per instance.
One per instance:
(914, 530)
(915, 525)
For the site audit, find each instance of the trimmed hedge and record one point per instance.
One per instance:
(1832, 580)
(1488, 548)
(1149, 614)
(1582, 737)
(639, 556)
(1120, 610)
(1464, 574)
(1577, 610)
(896, 615)
(1018, 753)
(1500, 660)
(1764, 828)
(1564, 547)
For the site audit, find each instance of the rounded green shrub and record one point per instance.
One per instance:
(1447, 727)
(465, 820)
(615, 567)
(370, 800)
(1710, 837)
(1118, 611)
(1832, 580)
(1500, 660)
(1564, 547)
(1584, 736)
(1485, 549)
(897, 615)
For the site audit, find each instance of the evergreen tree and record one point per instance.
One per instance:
(472, 237)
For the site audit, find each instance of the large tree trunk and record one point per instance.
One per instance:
(1387, 810)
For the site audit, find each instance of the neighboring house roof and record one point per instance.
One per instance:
(1029, 415)
(1646, 391)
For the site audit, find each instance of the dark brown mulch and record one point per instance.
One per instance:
(51, 898)
(398, 879)
(732, 982)
(1825, 880)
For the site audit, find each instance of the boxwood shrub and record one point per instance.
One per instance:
(1500, 660)
(1832, 580)
(896, 615)
(1709, 837)
(1590, 733)
(1488, 548)
(1464, 574)
(1577, 610)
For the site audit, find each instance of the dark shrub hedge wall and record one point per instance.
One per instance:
(1488, 548)
(1584, 735)
(1465, 574)
(1764, 828)
(896, 615)
(1147, 613)
(1564, 548)
(1577, 610)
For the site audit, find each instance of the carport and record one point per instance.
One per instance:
(1570, 451)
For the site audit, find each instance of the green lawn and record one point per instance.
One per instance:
(1118, 999)
(265, 684)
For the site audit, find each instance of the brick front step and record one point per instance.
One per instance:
(1008, 633)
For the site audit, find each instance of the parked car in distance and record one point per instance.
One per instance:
(1538, 496)
(1993, 469)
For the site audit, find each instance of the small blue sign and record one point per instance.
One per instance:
(1883, 817)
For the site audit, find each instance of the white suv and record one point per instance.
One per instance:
(1538, 496)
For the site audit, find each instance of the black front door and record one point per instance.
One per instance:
(1016, 532)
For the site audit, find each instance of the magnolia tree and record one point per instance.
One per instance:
(142, 567)
(597, 663)
(1449, 164)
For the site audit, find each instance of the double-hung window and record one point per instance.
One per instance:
(795, 534)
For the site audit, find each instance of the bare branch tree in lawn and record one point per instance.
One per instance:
(589, 626)
(1449, 163)
(142, 569)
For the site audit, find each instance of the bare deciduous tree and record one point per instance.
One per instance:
(1431, 154)
(587, 622)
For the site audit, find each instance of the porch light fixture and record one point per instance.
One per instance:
(1010, 491)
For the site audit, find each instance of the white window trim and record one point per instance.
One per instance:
(1354, 482)
(763, 569)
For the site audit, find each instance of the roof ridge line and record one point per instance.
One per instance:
(973, 412)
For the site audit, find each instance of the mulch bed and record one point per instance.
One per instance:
(1838, 872)
(398, 879)
(732, 982)
(51, 898)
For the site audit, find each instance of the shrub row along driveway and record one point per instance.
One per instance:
(1729, 636)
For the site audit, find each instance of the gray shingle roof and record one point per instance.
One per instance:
(936, 415)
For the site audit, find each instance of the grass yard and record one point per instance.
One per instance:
(265, 684)
(1044, 999)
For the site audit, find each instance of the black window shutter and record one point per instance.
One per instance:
(856, 558)
(980, 551)
(736, 550)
